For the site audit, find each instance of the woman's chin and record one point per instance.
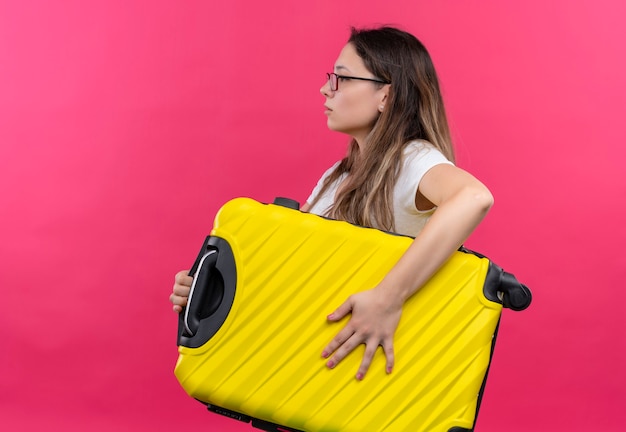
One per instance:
(333, 126)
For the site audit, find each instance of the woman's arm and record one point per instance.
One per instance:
(462, 202)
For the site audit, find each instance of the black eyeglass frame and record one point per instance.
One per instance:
(337, 77)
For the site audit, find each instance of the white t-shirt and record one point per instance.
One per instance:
(419, 157)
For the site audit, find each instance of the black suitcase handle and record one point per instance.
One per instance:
(212, 293)
(205, 290)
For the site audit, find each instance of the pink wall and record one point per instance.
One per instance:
(124, 125)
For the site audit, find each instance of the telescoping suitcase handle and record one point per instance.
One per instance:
(211, 295)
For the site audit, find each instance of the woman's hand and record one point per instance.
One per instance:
(182, 286)
(375, 317)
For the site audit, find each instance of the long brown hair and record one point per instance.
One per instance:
(414, 110)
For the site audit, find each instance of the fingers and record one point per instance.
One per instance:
(183, 278)
(180, 292)
(178, 302)
(346, 341)
(338, 341)
(371, 346)
(370, 350)
(368, 356)
(341, 311)
(389, 355)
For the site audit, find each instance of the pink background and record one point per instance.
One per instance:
(124, 125)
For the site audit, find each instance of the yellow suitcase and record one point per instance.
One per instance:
(251, 337)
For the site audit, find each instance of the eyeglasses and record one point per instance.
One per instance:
(333, 80)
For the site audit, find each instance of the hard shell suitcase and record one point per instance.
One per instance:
(251, 336)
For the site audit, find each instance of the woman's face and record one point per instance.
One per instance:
(356, 104)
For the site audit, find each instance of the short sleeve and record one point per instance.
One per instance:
(419, 158)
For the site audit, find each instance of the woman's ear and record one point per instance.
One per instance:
(384, 96)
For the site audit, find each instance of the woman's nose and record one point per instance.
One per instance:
(325, 89)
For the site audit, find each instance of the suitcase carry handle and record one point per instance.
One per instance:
(199, 296)
(211, 295)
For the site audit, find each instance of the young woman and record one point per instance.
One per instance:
(398, 176)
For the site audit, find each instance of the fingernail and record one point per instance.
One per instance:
(330, 364)
(324, 354)
(331, 316)
(359, 376)
(389, 370)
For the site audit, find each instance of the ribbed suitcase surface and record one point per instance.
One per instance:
(289, 270)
